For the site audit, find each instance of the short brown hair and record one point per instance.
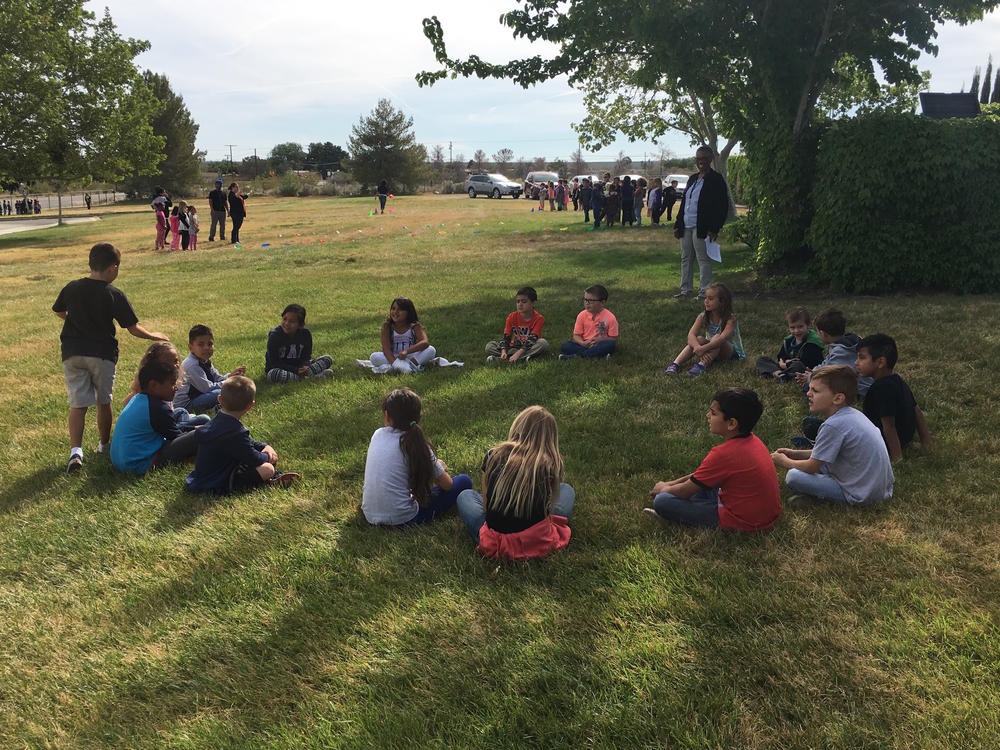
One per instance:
(103, 255)
(797, 315)
(831, 322)
(238, 392)
(839, 379)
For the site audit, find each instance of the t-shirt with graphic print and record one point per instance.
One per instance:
(286, 352)
(519, 333)
(590, 326)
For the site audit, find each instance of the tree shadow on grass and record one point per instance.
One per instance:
(29, 489)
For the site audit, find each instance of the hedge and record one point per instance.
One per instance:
(902, 201)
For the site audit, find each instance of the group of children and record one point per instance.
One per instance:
(612, 201)
(181, 221)
(524, 507)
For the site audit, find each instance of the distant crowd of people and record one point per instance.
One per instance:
(182, 223)
(613, 201)
(24, 207)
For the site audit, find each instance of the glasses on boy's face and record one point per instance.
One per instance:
(588, 299)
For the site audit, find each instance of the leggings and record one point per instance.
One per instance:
(277, 375)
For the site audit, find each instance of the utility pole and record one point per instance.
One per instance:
(450, 160)
(231, 154)
(254, 164)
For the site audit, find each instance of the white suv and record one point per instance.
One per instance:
(492, 186)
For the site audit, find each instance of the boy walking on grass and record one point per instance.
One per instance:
(521, 333)
(90, 307)
(228, 459)
(735, 486)
(849, 462)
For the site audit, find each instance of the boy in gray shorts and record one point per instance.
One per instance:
(89, 308)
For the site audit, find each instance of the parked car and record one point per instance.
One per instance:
(492, 186)
(632, 177)
(682, 182)
(534, 181)
(581, 177)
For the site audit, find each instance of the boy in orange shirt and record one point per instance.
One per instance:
(522, 332)
(596, 331)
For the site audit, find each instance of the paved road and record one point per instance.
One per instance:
(26, 225)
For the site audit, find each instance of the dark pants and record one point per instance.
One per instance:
(586, 215)
(441, 501)
(185, 240)
(381, 202)
(177, 450)
(237, 223)
(602, 349)
(597, 216)
(627, 215)
(218, 217)
(670, 211)
(244, 478)
(655, 212)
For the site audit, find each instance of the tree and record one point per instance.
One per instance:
(180, 168)
(761, 63)
(996, 89)
(853, 90)
(478, 159)
(437, 161)
(521, 166)
(286, 156)
(622, 163)
(383, 147)
(502, 158)
(984, 97)
(538, 163)
(457, 169)
(558, 166)
(576, 161)
(72, 103)
(324, 158)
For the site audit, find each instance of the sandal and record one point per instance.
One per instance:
(285, 479)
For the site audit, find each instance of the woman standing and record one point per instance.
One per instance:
(237, 211)
(383, 193)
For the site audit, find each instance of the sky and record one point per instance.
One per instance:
(254, 74)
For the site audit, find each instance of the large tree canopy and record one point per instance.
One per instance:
(383, 147)
(72, 104)
(762, 63)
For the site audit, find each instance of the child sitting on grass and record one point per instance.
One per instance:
(165, 352)
(404, 341)
(801, 350)
(202, 382)
(525, 506)
(228, 459)
(735, 486)
(522, 332)
(595, 333)
(714, 335)
(889, 403)
(89, 308)
(831, 326)
(146, 434)
(849, 462)
(289, 350)
(401, 468)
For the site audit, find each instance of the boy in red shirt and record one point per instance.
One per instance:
(736, 485)
(595, 333)
(522, 333)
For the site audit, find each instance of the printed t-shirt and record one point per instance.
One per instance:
(588, 326)
(855, 456)
(506, 522)
(286, 352)
(891, 397)
(742, 469)
(521, 330)
(92, 306)
(386, 498)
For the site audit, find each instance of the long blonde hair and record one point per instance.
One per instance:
(529, 454)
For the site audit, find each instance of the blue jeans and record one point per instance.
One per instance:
(186, 421)
(820, 484)
(441, 500)
(601, 349)
(598, 215)
(473, 514)
(700, 510)
(205, 401)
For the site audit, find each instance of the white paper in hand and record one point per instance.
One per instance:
(713, 250)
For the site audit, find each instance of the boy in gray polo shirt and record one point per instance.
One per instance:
(89, 308)
(849, 462)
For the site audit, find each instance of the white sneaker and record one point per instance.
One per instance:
(327, 373)
(651, 511)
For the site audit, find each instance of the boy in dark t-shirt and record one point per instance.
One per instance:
(736, 485)
(889, 403)
(521, 333)
(89, 308)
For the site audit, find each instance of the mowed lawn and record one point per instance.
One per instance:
(135, 615)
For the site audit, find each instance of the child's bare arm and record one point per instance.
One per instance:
(141, 333)
(721, 337)
(421, 341)
(922, 430)
(682, 489)
(784, 458)
(892, 438)
(692, 337)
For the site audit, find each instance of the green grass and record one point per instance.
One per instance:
(135, 615)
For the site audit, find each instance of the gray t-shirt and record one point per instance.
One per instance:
(855, 456)
(386, 498)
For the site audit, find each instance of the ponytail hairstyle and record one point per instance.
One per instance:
(402, 406)
(530, 459)
(725, 302)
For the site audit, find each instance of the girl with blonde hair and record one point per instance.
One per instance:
(525, 507)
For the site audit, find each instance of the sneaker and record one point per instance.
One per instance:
(672, 369)
(102, 448)
(650, 512)
(607, 356)
(491, 359)
(801, 442)
(74, 465)
(682, 295)
(564, 357)
(697, 371)
(327, 373)
(284, 479)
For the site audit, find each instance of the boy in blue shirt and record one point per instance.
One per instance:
(228, 459)
(202, 382)
(146, 434)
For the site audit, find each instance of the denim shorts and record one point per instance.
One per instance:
(89, 381)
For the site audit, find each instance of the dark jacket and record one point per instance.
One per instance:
(223, 445)
(713, 205)
(237, 204)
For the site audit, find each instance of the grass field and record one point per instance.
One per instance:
(135, 615)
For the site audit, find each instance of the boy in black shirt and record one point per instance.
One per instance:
(889, 403)
(90, 307)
